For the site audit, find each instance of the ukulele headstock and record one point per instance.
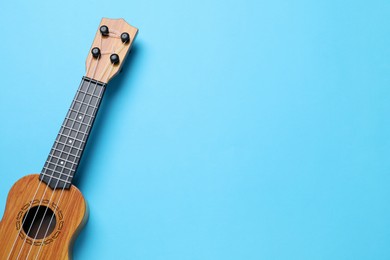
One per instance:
(110, 47)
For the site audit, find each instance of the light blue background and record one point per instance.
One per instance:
(238, 130)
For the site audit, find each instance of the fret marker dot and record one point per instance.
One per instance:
(70, 141)
(80, 117)
(62, 162)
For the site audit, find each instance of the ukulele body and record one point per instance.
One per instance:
(70, 214)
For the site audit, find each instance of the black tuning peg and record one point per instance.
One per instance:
(95, 52)
(125, 37)
(114, 59)
(104, 30)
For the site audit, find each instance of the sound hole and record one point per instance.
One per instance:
(33, 219)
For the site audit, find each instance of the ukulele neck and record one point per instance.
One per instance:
(65, 155)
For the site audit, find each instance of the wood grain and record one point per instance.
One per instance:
(102, 69)
(71, 215)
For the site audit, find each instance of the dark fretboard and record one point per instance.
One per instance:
(65, 155)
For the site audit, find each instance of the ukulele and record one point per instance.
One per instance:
(45, 212)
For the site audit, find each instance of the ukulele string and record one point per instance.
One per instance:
(28, 212)
(100, 94)
(43, 196)
(104, 71)
(109, 73)
(29, 229)
(62, 190)
(93, 75)
(114, 33)
(60, 197)
(106, 67)
(51, 196)
(110, 64)
(24, 219)
(89, 65)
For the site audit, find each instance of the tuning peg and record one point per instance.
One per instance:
(125, 37)
(95, 52)
(114, 59)
(104, 30)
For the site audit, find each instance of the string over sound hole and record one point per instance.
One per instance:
(34, 217)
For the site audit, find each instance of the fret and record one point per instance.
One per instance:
(79, 117)
(96, 89)
(65, 155)
(89, 93)
(83, 107)
(57, 175)
(54, 167)
(84, 129)
(95, 101)
(73, 136)
(73, 147)
(68, 176)
(77, 121)
(58, 170)
(75, 144)
(53, 182)
(66, 168)
(57, 178)
(66, 163)
(83, 97)
(61, 169)
(65, 150)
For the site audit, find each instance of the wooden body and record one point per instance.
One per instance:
(71, 215)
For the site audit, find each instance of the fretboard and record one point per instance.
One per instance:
(65, 155)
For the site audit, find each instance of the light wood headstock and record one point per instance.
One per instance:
(109, 49)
